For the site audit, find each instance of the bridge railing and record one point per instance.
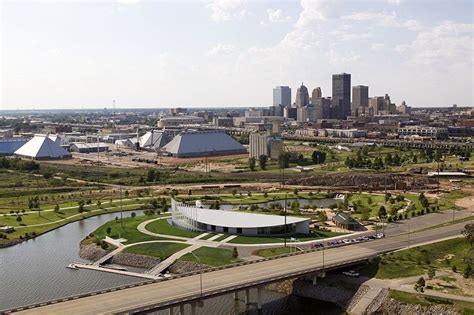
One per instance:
(146, 282)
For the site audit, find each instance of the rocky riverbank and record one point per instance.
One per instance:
(390, 306)
(93, 252)
(180, 267)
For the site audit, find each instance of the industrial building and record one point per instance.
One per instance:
(41, 147)
(195, 218)
(9, 146)
(89, 147)
(153, 140)
(265, 144)
(203, 143)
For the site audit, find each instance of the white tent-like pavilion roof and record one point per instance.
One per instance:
(42, 146)
(153, 140)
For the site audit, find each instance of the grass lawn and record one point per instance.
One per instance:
(128, 230)
(415, 261)
(269, 252)
(161, 250)
(163, 227)
(212, 256)
(426, 300)
(447, 201)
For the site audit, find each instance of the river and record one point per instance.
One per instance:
(35, 271)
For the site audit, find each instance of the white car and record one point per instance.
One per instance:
(380, 235)
(346, 241)
(351, 273)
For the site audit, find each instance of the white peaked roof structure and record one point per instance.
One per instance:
(41, 147)
(203, 143)
(153, 140)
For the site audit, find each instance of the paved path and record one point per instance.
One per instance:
(170, 260)
(215, 237)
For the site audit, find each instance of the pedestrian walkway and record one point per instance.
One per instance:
(158, 269)
(215, 237)
(225, 240)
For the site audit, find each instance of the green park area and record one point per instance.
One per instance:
(125, 228)
(164, 227)
(212, 256)
(453, 255)
(463, 307)
(160, 250)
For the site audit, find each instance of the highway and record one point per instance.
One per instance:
(174, 291)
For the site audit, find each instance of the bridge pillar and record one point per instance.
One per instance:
(236, 297)
(322, 274)
(259, 298)
(181, 309)
(193, 308)
(170, 311)
(247, 296)
(315, 279)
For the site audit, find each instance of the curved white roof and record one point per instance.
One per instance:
(236, 219)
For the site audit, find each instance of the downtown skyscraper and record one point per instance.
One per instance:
(341, 96)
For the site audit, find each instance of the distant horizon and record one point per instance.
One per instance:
(186, 107)
(231, 52)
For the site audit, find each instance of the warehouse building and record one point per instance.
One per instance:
(89, 147)
(203, 143)
(9, 146)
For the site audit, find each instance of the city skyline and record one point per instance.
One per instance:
(128, 53)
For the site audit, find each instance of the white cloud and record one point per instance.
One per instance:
(346, 36)
(127, 1)
(277, 16)
(394, 2)
(342, 59)
(220, 49)
(383, 19)
(313, 11)
(377, 46)
(445, 44)
(226, 10)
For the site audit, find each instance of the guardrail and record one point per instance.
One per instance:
(207, 270)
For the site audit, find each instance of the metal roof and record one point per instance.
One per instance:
(153, 140)
(203, 142)
(9, 146)
(42, 147)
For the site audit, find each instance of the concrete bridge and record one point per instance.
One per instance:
(173, 293)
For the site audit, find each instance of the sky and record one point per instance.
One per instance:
(85, 54)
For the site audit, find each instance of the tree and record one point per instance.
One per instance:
(431, 272)
(18, 218)
(382, 213)
(235, 253)
(81, 206)
(109, 230)
(99, 204)
(284, 160)
(251, 163)
(56, 208)
(318, 157)
(420, 285)
(467, 271)
(133, 214)
(322, 217)
(150, 176)
(234, 192)
(262, 161)
(468, 233)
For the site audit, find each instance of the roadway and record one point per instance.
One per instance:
(186, 289)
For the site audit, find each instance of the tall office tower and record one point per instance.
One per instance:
(302, 96)
(282, 96)
(341, 95)
(316, 94)
(360, 100)
(376, 104)
(322, 108)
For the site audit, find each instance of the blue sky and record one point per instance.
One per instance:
(64, 54)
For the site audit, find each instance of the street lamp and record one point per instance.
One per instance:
(286, 195)
(200, 272)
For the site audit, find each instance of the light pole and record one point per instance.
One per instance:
(286, 195)
(200, 273)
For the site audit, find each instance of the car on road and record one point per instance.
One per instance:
(380, 235)
(351, 273)
(346, 241)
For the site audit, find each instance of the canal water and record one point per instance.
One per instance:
(35, 271)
